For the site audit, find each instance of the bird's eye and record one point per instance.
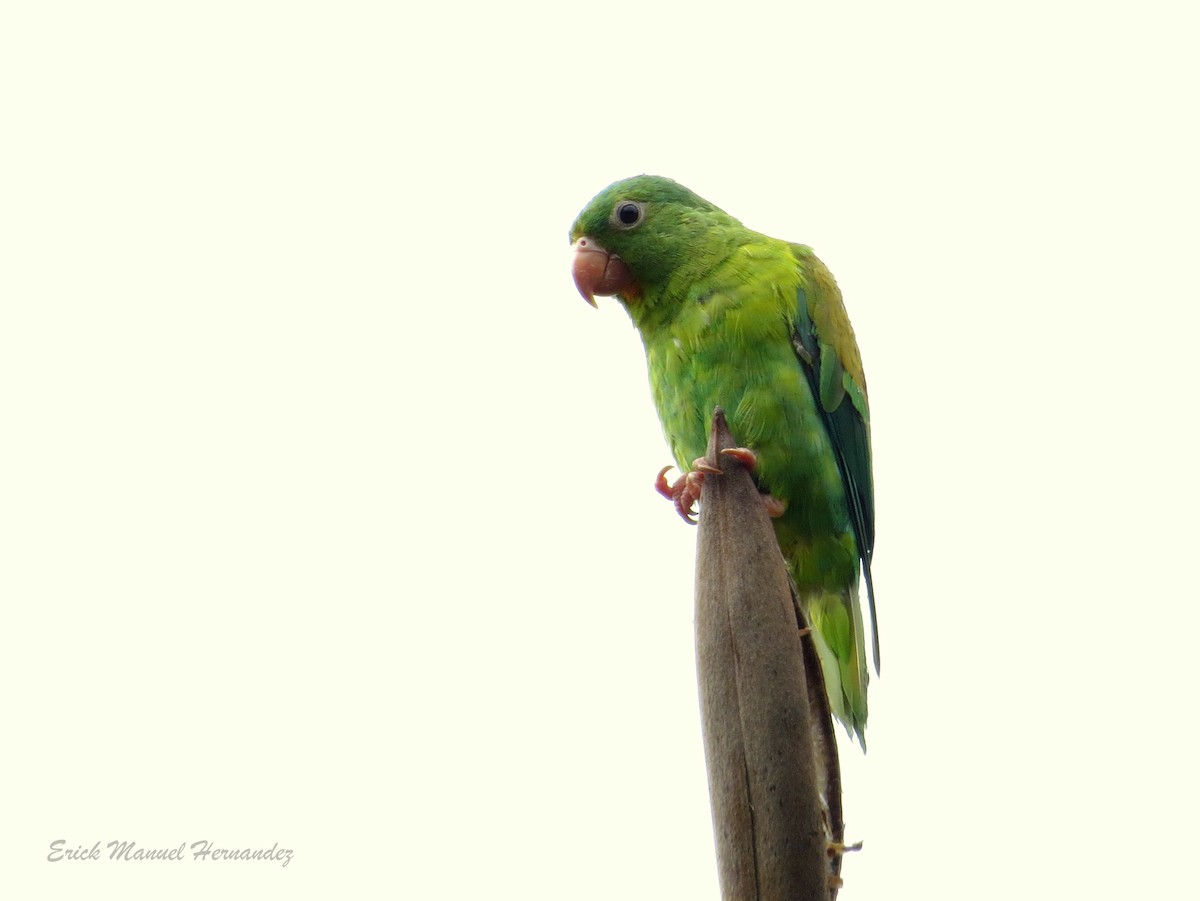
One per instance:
(627, 214)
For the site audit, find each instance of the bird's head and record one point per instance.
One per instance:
(636, 234)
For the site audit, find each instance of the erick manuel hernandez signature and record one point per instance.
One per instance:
(201, 850)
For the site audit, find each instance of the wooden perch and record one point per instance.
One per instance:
(772, 762)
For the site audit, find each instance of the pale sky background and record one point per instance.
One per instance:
(326, 502)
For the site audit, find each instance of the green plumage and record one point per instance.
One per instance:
(734, 318)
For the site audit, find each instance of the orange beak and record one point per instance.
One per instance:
(598, 272)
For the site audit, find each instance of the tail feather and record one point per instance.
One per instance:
(837, 623)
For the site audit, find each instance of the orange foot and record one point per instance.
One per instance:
(684, 492)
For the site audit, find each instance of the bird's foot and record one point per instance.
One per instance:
(775, 507)
(685, 491)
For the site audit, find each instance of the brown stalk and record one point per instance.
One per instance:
(772, 761)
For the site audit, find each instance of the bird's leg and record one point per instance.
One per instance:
(684, 492)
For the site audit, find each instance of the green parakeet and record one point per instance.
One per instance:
(756, 325)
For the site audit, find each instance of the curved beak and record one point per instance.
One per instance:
(598, 272)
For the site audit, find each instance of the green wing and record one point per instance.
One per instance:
(825, 345)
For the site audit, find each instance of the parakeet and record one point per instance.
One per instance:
(756, 325)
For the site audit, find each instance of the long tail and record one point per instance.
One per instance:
(837, 623)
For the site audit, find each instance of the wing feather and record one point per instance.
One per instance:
(825, 346)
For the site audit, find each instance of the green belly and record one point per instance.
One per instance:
(759, 382)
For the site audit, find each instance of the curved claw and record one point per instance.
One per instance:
(660, 483)
(684, 492)
(688, 487)
(744, 455)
